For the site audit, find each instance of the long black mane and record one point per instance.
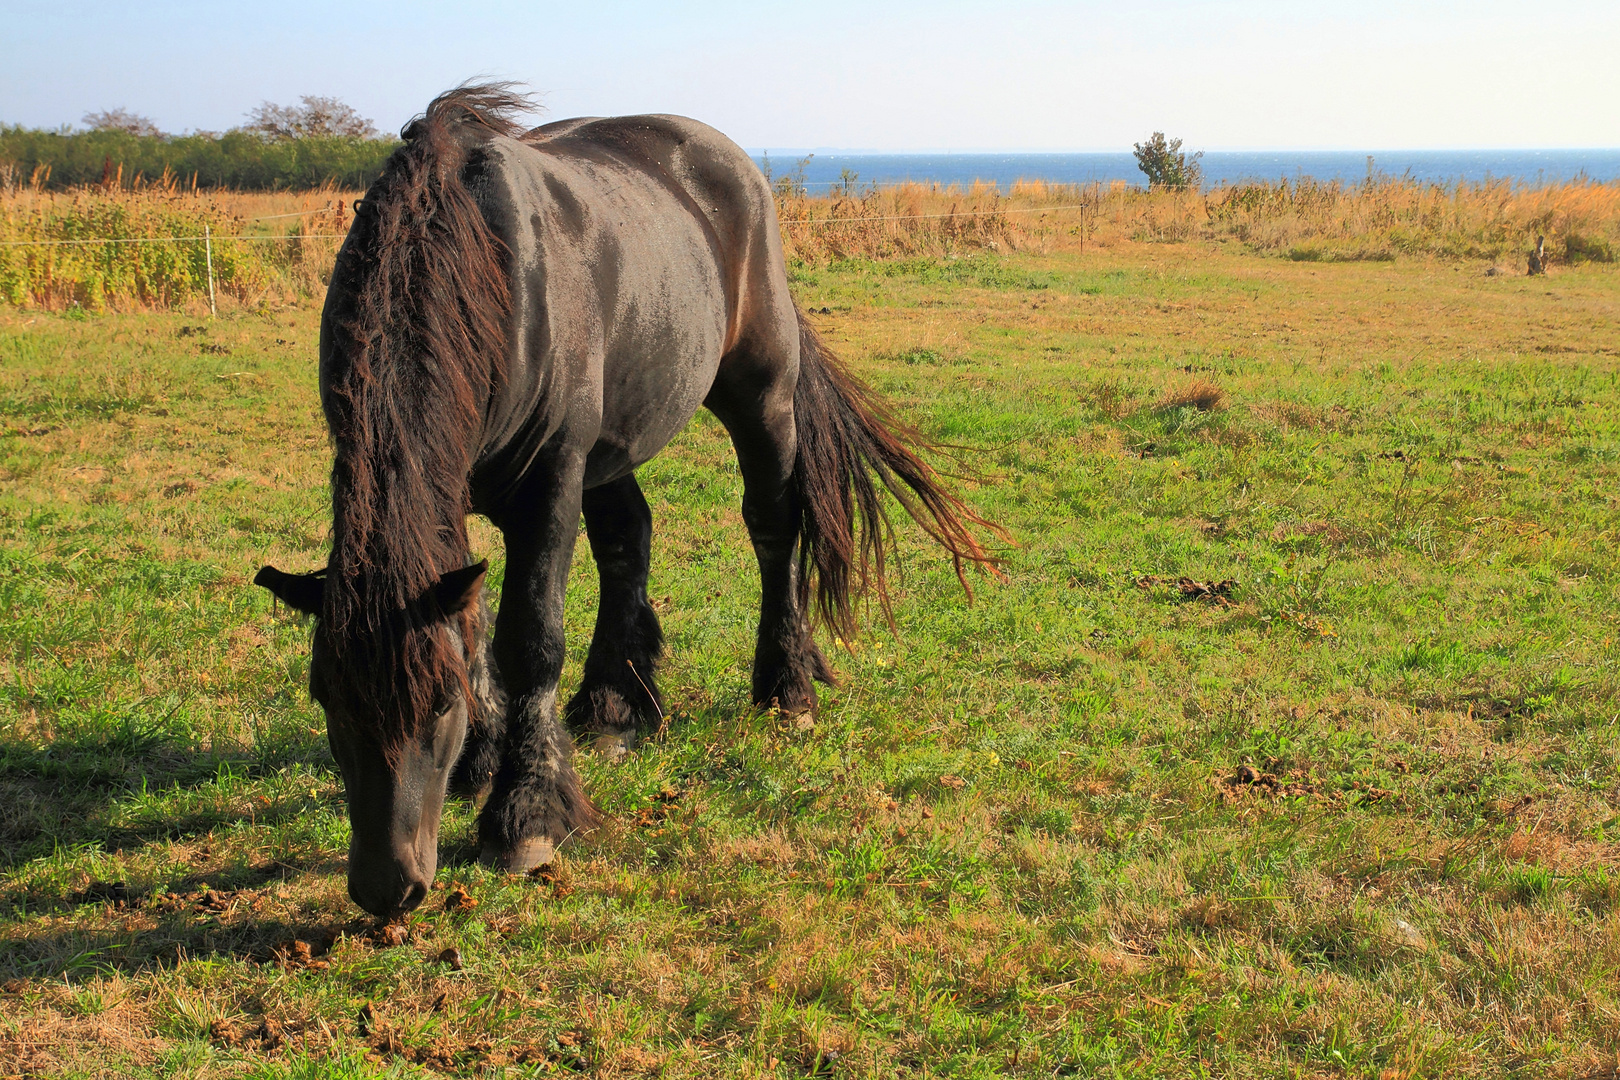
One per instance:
(417, 331)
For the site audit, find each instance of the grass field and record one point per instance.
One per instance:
(1344, 804)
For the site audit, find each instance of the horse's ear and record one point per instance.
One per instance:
(458, 588)
(301, 592)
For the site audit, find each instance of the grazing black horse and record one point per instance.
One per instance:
(516, 321)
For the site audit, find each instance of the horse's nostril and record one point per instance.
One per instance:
(414, 897)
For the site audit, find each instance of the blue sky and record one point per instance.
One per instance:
(874, 75)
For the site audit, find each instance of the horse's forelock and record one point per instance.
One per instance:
(491, 105)
(393, 679)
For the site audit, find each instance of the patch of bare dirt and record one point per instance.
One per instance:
(1216, 592)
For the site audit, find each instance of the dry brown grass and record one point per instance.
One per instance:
(1302, 220)
(1200, 394)
(1305, 220)
(266, 247)
(906, 219)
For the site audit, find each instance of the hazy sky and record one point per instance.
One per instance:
(874, 75)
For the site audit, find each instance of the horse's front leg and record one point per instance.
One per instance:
(537, 800)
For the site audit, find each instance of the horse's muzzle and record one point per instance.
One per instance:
(389, 900)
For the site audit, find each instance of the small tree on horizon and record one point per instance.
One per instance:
(1166, 166)
(121, 119)
(317, 117)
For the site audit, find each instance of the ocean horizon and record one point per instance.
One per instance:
(825, 170)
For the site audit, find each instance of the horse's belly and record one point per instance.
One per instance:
(649, 393)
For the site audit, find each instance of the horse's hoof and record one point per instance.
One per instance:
(615, 746)
(799, 716)
(521, 857)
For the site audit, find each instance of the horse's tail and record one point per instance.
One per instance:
(850, 447)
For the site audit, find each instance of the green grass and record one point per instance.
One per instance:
(1019, 839)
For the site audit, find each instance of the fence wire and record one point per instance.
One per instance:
(797, 222)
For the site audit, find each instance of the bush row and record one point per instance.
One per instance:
(237, 159)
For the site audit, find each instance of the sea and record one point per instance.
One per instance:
(827, 169)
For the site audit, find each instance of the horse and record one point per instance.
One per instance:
(518, 319)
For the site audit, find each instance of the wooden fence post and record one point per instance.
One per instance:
(208, 253)
(1538, 257)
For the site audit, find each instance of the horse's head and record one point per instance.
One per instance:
(396, 738)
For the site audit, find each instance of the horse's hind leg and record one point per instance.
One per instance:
(617, 695)
(760, 421)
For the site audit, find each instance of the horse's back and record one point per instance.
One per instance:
(644, 247)
(716, 181)
(685, 152)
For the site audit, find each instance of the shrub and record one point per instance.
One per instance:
(1166, 166)
(1580, 248)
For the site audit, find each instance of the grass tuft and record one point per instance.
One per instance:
(1198, 394)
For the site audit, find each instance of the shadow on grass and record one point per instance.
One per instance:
(70, 795)
(156, 932)
(63, 799)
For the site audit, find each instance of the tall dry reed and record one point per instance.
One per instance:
(1381, 218)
